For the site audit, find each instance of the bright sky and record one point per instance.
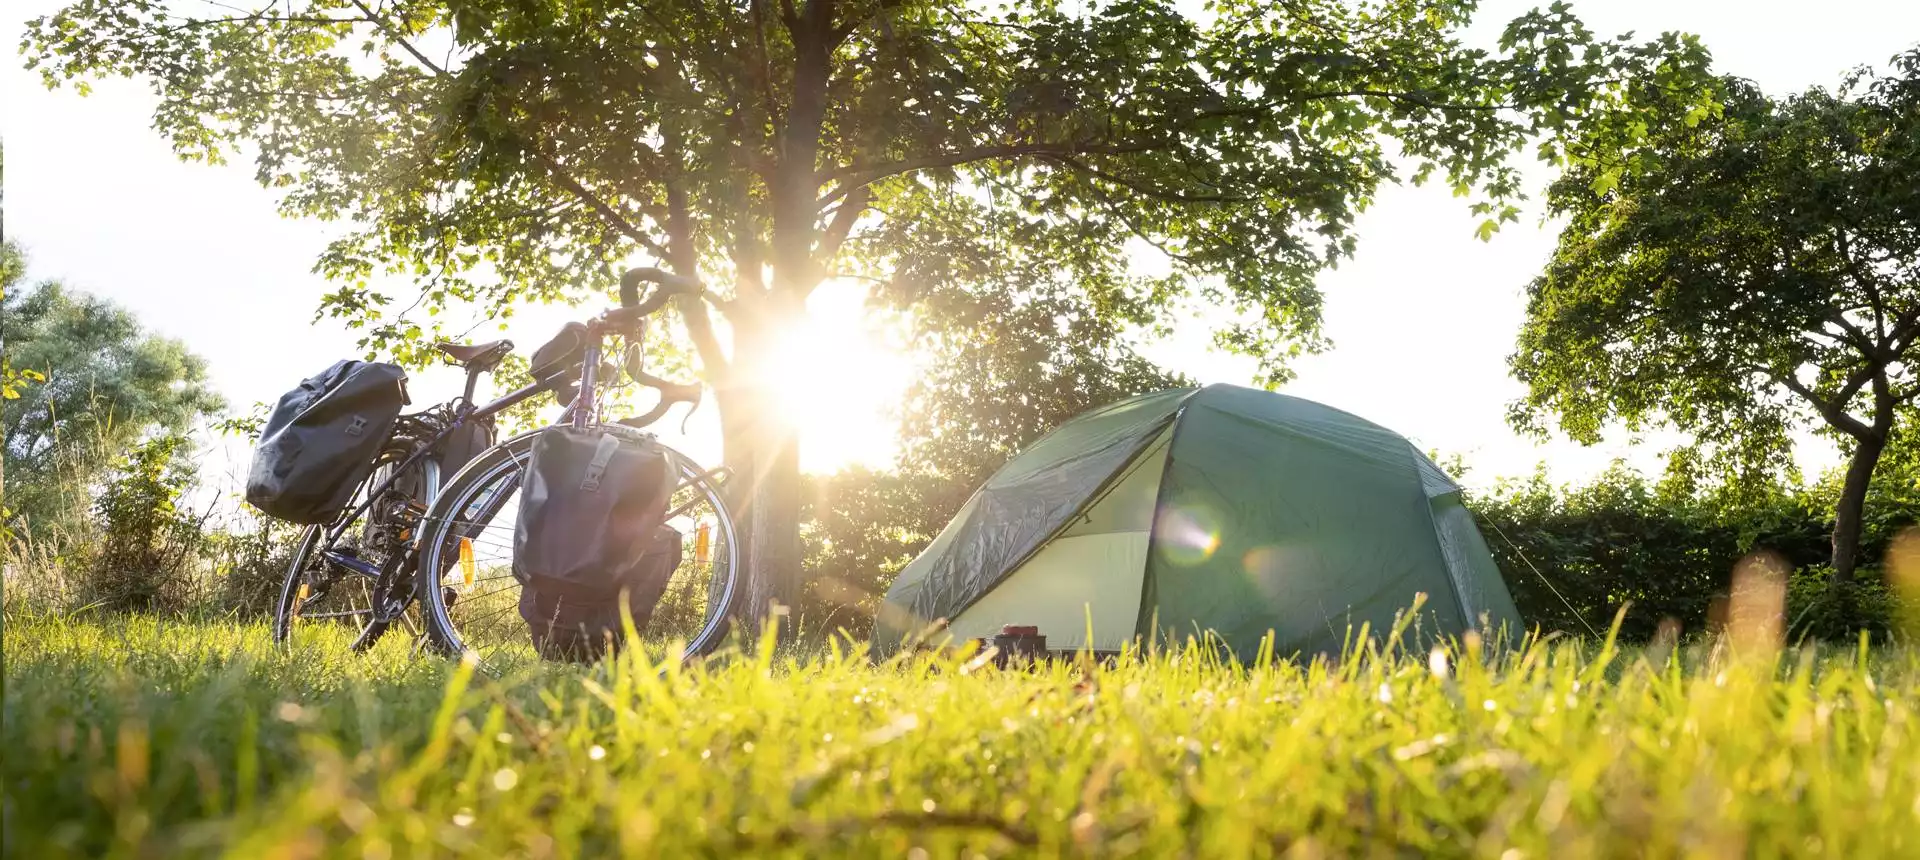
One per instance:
(1422, 320)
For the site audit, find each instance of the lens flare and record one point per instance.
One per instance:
(1756, 611)
(1266, 567)
(1187, 534)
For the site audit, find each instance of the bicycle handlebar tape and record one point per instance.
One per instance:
(670, 285)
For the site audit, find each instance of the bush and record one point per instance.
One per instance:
(1819, 608)
(249, 561)
(1574, 556)
(147, 544)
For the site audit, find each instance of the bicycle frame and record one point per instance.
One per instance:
(579, 413)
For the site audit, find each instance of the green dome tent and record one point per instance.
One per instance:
(1222, 509)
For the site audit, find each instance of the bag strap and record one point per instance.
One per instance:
(597, 467)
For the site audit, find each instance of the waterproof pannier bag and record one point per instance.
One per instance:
(591, 538)
(321, 440)
(462, 445)
(582, 629)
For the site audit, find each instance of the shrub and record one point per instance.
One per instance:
(1574, 556)
(147, 543)
(1818, 608)
(249, 560)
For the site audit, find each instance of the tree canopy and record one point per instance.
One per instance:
(500, 151)
(106, 384)
(1741, 275)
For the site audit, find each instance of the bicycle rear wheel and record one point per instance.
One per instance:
(332, 589)
(472, 600)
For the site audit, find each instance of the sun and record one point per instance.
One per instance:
(837, 379)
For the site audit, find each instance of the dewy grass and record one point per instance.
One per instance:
(152, 738)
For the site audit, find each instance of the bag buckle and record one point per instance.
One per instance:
(602, 455)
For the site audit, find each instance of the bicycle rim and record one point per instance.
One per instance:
(473, 603)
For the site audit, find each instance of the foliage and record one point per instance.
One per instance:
(1015, 342)
(1818, 608)
(249, 562)
(1740, 275)
(504, 152)
(147, 542)
(1574, 556)
(13, 269)
(108, 385)
(154, 738)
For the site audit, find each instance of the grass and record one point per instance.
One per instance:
(147, 738)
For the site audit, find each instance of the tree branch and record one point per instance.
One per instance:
(260, 18)
(1868, 283)
(606, 212)
(398, 38)
(1833, 410)
(1138, 188)
(853, 22)
(843, 221)
(855, 176)
(1856, 336)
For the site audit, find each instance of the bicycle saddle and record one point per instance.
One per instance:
(469, 353)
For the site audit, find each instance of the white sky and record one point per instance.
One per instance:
(1422, 320)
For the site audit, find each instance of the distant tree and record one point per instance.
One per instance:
(108, 385)
(1740, 275)
(504, 151)
(1018, 338)
(13, 269)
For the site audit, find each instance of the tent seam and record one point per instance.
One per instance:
(1159, 499)
(1078, 511)
(1433, 529)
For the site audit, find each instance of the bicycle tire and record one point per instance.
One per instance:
(490, 482)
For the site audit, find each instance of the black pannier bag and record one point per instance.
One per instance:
(461, 446)
(320, 441)
(591, 531)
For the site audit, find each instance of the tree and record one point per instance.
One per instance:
(1018, 338)
(1741, 275)
(13, 269)
(108, 385)
(506, 151)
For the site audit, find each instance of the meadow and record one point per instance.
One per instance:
(140, 737)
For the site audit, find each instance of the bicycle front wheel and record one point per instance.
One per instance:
(466, 561)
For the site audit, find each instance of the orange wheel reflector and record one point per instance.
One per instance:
(702, 543)
(466, 561)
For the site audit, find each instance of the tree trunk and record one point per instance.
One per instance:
(762, 448)
(1853, 499)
